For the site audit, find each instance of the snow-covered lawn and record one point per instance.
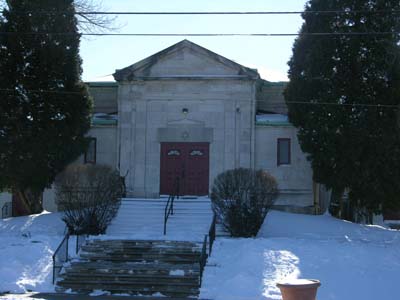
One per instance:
(26, 248)
(352, 261)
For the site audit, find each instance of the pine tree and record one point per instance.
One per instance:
(352, 141)
(44, 107)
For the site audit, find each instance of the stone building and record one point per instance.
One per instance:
(190, 113)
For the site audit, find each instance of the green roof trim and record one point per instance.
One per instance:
(261, 123)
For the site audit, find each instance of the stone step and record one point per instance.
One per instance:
(168, 275)
(159, 213)
(144, 247)
(141, 252)
(159, 210)
(164, 201)
(133, 285)
(168, 290)
(135, 267)
(138, 256)
(161, 243)
(144, 253)
(182, 250)
(171, 260)
(133, 280)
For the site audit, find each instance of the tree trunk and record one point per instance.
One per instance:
(30, 201)
(337, 200)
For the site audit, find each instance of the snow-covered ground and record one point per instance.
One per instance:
(26, 248)
(352, 261)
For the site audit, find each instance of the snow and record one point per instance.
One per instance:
(144, 219)
(272, 118)
(177, 272)
(99, 293)
(352, 261)
(26, 249)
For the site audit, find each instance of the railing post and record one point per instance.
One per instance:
(172, 205)
(66, 252)
(77, 244)
(169, 207)
(212, 233)
(203, 257)
(54, 269)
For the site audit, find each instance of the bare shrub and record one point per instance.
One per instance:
(90, 196)
(241, 198)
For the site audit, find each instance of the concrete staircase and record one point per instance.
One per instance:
(136, 258)
(135, 267)
(144, 219)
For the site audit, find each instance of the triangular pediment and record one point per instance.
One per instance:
(185, 59)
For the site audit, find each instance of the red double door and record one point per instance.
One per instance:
(187, 161)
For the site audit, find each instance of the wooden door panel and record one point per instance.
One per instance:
(189, 162)
(198, 168)
(171, 167)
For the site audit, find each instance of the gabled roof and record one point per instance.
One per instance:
(136, 71)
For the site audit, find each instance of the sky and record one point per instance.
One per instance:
(103, 55)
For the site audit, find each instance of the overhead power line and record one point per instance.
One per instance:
(368, 33)
(9, 91)
(381, 11)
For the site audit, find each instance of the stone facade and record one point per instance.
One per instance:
(185, 94)
(219, 112)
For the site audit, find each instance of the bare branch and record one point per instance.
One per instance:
(87, 23)
(93, 23)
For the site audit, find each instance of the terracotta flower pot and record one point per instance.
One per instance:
(299, 289)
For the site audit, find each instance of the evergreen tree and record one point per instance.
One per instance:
(351, 146)
(44, 106)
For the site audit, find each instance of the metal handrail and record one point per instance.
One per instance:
(80, 241)
(203, 258)
(63, 245)
(5, 210)
(169, 207)
(211, 238)
(212, 234)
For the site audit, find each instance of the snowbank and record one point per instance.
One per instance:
(352, 261)
(26, 249)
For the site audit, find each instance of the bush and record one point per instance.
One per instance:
(241, 198)
(90, 196)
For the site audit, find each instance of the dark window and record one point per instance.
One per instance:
(283, 152)
(90, 154)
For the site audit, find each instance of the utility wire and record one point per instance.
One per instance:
(381, 11)
(39, 91)
(367, 33)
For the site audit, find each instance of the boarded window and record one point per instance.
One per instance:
(90, 154)
(283, 152)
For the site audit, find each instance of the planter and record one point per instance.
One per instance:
(299, 289)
